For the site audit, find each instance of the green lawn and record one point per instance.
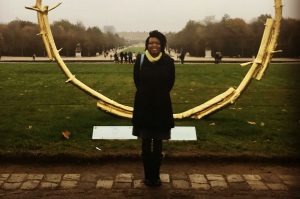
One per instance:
(37, 105)
(135, 49)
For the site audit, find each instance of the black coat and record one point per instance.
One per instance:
(152, 104)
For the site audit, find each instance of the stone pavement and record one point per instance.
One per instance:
(175, 185)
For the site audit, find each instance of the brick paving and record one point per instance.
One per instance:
(194, 181)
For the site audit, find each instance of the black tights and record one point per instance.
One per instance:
(147, 148)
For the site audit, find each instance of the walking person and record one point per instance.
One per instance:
(154, 76)
(130, 57)
(122, 57)
(218, 57)
(33, 57)
(182, 56)
(116, 58)
(125, 57)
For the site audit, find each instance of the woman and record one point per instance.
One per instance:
(154, 75)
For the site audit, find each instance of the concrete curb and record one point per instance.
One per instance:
(7, 59)
(176, 61)
(80, 158)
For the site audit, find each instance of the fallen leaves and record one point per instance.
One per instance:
(251, 122)
(29, 127)
(234, 108)
(98, 148)
(66, 134)
(262, 124)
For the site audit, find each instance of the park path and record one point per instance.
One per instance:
(101, 58)
(123, 179)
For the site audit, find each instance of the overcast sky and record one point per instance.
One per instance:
(145, 15)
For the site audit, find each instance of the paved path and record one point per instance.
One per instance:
(101, 58)
(178, 183)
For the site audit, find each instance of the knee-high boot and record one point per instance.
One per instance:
(156, 163)
(147, 162)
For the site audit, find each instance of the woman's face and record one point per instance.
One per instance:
(154, 46)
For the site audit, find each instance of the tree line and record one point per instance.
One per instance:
(19, 38)
(231, 36)
(234, 37)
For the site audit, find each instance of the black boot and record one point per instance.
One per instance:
(156, 163)
(147, 169)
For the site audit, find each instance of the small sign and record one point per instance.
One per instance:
(185, 133)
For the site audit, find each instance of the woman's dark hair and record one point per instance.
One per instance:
(161, 37)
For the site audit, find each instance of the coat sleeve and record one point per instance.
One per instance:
(172, 75)
(136, 71)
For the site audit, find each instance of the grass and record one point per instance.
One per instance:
(135, 49)
(36, 106)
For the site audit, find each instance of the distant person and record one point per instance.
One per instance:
(33, 57)
(122, 57)
(133, 57)
(116, 58)
(130, 57)
(218, 57)
(126, 57)
(154, 76)
(182, 56)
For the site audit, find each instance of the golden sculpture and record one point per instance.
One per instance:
(257, 70)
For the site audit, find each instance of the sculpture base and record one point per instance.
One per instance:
(183, 133)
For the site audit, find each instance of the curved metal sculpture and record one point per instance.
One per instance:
(257, 70)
